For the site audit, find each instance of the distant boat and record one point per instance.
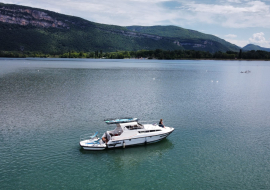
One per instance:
(128, 132)
(247, 71)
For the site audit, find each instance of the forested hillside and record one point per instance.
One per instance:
(189, 39)
(250, 47)
(28, 29)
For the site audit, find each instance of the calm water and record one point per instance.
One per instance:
(221, 119)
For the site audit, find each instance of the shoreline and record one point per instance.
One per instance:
(136, 59)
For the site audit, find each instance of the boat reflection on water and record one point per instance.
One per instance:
(132, 156)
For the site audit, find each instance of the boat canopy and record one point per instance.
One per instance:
(120, 120)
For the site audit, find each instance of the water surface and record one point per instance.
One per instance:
(221, 120)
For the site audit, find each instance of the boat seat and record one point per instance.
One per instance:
(94, 135)
(95, 142)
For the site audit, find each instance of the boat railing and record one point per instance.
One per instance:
(88, 136)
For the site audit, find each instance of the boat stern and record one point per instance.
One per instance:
(93, 145)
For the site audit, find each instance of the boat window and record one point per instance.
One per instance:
(128, 127)
(144, 131)
(134, 127)
(149, 131)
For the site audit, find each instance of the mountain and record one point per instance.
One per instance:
(30, 29)
(250, 47)
(189, 39)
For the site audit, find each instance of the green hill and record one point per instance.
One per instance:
(251, 47)
(190, 39)
(30, 29)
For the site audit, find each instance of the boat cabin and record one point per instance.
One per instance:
(131, 126)
(120, 127)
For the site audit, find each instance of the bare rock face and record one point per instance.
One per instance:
(134, 34)
(27, 16)
(177, 42)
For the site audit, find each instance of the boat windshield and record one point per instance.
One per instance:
(116, 132)
(134, 127)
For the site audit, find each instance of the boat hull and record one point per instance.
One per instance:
(138, 141)
(93, 148)
(127, 134)
(89, 145)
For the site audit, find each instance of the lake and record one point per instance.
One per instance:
(221, 119)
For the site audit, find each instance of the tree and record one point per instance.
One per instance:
(100, 55)
(240, 54)
(96, 54)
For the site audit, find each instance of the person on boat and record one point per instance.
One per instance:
(161, 123)
(104, 138)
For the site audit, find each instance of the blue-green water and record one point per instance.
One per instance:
(221, 119)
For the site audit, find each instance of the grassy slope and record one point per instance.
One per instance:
(185, 35)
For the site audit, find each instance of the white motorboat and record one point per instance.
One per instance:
(128, 132)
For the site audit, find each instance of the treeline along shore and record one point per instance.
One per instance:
(147, 54)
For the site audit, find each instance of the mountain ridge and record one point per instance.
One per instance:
(182, 36)
(31, 29)
(250, 47)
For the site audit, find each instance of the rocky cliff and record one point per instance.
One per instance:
(41, 19)
(29, 17)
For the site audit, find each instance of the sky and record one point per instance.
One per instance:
(240, 22)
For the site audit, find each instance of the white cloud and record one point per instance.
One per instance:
(231, 36)
(259, 39)
(246, 14)
(240, 43)
(234, 1)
